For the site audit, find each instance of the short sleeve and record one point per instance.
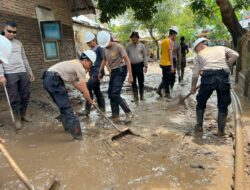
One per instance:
(122, 51)
(80, 73)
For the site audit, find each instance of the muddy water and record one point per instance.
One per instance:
(170, 156)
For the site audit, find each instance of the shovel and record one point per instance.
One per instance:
(180, 99)
(121, 132)
(55, 184)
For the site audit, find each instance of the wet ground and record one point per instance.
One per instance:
(170, 156)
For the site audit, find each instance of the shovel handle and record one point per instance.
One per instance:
(189, 94)
(15, 167)
(8, 99)
(103, 114)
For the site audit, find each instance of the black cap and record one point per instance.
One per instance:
(134, 34)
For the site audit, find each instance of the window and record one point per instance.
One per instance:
(50, 32)
(51, 50)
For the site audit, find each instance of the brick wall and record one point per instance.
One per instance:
(23, 12)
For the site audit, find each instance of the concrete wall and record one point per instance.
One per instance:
(79, 32)
(24, 13)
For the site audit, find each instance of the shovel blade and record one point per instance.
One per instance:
(123, 133)
(55, 185)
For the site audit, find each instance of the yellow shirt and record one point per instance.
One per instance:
(166, 46)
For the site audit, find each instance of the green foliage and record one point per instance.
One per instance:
(143, 10)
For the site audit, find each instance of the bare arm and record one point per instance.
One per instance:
(81, 86)
(127, 61)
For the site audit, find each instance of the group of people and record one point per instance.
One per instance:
(173, 58)
(211, 63)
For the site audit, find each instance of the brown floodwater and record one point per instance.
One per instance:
(170, 156)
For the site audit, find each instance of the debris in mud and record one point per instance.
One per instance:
(198, 166)
(138, 180)
(33, 146)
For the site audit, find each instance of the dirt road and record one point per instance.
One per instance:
(170, 157)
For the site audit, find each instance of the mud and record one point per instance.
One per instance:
(170, 156)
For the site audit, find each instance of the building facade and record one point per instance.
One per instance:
(37, 20)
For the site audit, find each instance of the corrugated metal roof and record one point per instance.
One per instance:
(82, 7)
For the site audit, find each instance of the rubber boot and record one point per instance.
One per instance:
(86, 111)
(65, 123)
(24, 116)
(179, 79)
(142, 94)
(127, 111)
(199, 119)
(1, 124)
(136, 98)
(167, 91)
(101, 104)
(75, 129)
(115, 111)
(221, 123)
(17, 116)
(158, 91)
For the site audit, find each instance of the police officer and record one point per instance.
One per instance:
(118, 65)
(138, 56)
(72, 71)
(212, 64)
(5, 51)
(93, 83)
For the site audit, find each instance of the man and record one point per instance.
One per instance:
(166, 62)
(212, 63)
(93, 83)
(118, 65)
(18, 75)
(137, 54)
(5, 50)
(177, 62)
(72, 71)
(184, 52)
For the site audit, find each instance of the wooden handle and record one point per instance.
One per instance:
(111, 122)
(15, 167)
(189, 94)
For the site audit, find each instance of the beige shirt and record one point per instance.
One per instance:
(114, 55)
(69, 70)
(215, 58)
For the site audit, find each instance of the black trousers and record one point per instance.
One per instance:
(93, 85)
(214, 80)
(18, 86)
(138, 74)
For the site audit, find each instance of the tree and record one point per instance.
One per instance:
(227, 11)
(143, 10)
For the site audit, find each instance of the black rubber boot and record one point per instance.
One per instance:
(65, 123)
(101, 104)
(136, 98)
(222, 117)
(142, 94)
(199, 119)
(75, 129)
(127, 111)
(17, 116)
(24, 116)
(115, 111)
(158, 91)
(86, 111)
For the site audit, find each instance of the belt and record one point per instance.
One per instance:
(118, 68)
(214, 71)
